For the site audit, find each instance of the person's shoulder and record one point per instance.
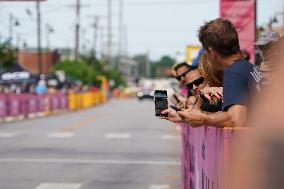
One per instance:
(240, 67)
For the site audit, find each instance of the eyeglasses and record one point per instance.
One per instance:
(196, 82)
(182, 75)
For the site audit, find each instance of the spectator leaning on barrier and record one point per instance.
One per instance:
(220, 41)
(181, 70)
(268, 43)
(193, 81)
(199, 78)
(213, 78)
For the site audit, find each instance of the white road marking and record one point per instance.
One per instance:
(118, 136)
(59, 186)
(170, 137)
(159, 187)
(7, 135)
(60, 135)
(91, 161)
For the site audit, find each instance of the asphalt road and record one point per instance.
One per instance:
(119, 145)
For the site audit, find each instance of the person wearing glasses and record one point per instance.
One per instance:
(195, 80)
(181, 72)
(241, 79)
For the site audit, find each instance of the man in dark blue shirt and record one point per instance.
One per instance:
(220, 41)
(240, 82)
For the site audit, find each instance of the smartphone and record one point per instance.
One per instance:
(176, 108)
(161, 102)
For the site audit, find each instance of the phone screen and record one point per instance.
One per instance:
(161, 102)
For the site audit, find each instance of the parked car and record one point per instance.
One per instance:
(145, 94)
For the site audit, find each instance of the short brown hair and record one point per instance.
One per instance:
(221, 36)
(179, 65)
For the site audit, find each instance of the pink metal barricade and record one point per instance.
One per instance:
(3, 106)
(23, 103)
(63, 101)
(54, 101)
(12, 105)
(32, 101)
(205, 157)
(40, 103)
(14, 102)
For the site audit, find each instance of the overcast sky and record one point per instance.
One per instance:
(155, 26)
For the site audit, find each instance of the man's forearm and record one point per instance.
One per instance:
(218, 119)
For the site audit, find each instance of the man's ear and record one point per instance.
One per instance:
(213, 53)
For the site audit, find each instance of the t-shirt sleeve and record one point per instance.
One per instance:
(235, 90)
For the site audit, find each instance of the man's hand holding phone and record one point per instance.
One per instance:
(173, 115)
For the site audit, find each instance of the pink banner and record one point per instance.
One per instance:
(14, 102)
(54, 101)
(205, 156)
(243, 15)
(3, 106)
(31, 103)
(63, 101)
(41, 103)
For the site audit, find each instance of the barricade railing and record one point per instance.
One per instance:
(205, 156)
(25, 105)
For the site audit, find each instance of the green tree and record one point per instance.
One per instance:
(7, 55)
(159, 67)
(87, 71)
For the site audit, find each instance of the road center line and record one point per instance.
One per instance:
(118, 136)
(159, 187)
(170, 137)
(7, 135)
(59, 186)
(60, 135)
(78, 125)
(91, 161)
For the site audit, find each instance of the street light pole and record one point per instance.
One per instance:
(11, 28)
(95, 39)
(121, 13)
(109, 46)
(77, 30)
(39, 54)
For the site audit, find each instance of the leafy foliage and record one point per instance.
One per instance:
(7, 55)
(86, 70)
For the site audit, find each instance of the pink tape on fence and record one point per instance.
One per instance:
(205, 157)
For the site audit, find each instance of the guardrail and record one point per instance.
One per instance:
(20, 106)
(205, 156)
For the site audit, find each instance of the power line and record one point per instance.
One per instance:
(141, 3)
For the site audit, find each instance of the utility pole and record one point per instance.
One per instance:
(148, 65)
(125, 37)
(47, 36)
(121, 13)
(77, 30)
(49, 29)
(95, 39)
(11, 28)
(18, 42)
(109, 43)
(39, 55)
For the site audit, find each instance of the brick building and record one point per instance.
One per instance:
(29, 59)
